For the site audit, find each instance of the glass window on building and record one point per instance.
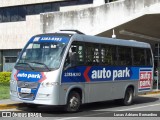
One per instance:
(10, 59)
(18, 13)
(107, 1)
(1, 15)
(22, 11)
(9, 63)
(85, 1)
(31, 10)
(38, 9)
(68, 3)
(55, 7)
(14, 14)
(6, 15)
(47, 7)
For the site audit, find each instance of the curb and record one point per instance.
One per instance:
(152, 92)
(10, 106)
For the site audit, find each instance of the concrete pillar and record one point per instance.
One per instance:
(98, 2)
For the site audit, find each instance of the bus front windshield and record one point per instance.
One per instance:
(42, 56)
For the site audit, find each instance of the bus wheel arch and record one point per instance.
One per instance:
(74, 100)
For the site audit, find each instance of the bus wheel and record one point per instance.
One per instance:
(73, 102)
(128, 98)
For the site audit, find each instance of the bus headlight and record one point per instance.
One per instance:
(49, 84)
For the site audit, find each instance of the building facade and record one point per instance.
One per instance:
(19, 20)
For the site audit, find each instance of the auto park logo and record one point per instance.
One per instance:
(30, 76)
(107, 73)
(145, 79)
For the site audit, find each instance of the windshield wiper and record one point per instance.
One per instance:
(27, 64)
(42, 64)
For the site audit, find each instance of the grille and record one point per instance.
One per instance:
(32, 85)
(27, 95)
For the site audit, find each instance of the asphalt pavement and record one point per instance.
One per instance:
(144, 104)
(9, 104)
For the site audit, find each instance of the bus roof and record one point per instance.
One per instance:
(111, 41)
(102, 40)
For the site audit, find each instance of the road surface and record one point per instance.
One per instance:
(148, 106)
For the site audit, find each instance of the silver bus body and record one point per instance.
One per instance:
(93, 83)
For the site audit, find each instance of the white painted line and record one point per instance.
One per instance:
(69, 118)
(139, 107)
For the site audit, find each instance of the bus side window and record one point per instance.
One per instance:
(89, 54)
(108, 55)
(75, 56)
(67, 62)
(138, 56)
(71, 58)
(80, 54)
(124, 56)
(149, 57)
(92, 54)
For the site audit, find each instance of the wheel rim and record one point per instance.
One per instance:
(129, 97)
(74, 103)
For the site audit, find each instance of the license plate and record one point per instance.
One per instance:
(25, 90)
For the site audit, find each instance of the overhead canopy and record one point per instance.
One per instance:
(145, 28)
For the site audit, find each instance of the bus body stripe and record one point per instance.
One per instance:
(86, 74)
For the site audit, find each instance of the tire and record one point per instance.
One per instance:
(73, 102)
(128, 98)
